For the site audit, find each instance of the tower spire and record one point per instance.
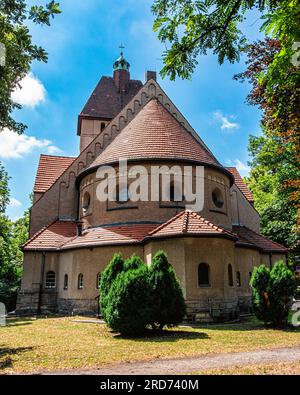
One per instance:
(121, 72)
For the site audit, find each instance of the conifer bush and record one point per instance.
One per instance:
(129, 306)
(272, 293)
(115, 266)
(167, 297)
(134, 297)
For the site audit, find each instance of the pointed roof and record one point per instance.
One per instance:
(49, 170)
(154, 134)
(240, 183)
(188, 223)
(106, 102)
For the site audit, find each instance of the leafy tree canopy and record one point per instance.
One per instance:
(15, 17)
(193, 27)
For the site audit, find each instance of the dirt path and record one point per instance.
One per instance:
(193, 364)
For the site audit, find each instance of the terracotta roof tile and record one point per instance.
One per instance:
(249, 237)
(121, 234)
(49, 170)
(63, 235)
(189, 223)
(106, 102)
(52, 236)
(239, 182)
(154, 134)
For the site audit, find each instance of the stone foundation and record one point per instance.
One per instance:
(216, 310)
(77, 307)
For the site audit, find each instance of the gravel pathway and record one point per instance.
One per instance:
(193, 364)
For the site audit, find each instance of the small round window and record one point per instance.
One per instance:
(86, 202)
(217, 198)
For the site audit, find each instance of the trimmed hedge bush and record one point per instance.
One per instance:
(272, 293)
(134, 297)
(167, 297)
(115, 266)
(129, 305)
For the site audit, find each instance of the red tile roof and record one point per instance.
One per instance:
(121, 234)
(240, 183)
(49, 170)
(52, 237)
(251, 238)
(61, 235)
(190, 223)
(106, 101)
(154, 134)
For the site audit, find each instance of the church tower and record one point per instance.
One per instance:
(109, 97)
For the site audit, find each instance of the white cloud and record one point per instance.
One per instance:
(52, 150)
(242, 168)
(226, 124)
(15, 146)
(14, 203)
(30, 92)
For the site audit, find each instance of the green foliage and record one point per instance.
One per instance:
(4, 190)
(272, 293)
(129, 305)
(115, 266)
(133, 297)
(134, 262)
(167, 298)
(194, 27)
(15, 16)
(271, 168)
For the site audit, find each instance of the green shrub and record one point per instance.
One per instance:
(167, 297)
(272, 293)
(115, 266)
(129, 306)
(132, 263)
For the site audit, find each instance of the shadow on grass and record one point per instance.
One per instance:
(159, 336)
(6, 354)
(249, 324)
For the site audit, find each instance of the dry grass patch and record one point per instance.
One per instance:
(290, 368)
(30, 345)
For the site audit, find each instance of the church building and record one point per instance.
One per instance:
(73, 235)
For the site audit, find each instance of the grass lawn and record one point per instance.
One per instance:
(30, 345)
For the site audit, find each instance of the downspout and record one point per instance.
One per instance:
(41, 283)
(270, 260)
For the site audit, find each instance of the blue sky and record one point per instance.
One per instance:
(82, 44)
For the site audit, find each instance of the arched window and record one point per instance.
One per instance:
(80, 281)
(50, 280)
(66, 281)
(98, 280)
(238, 279)
(203, 275)
(217, 198)
(102, 126)
(230, 275)
(86, 202)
